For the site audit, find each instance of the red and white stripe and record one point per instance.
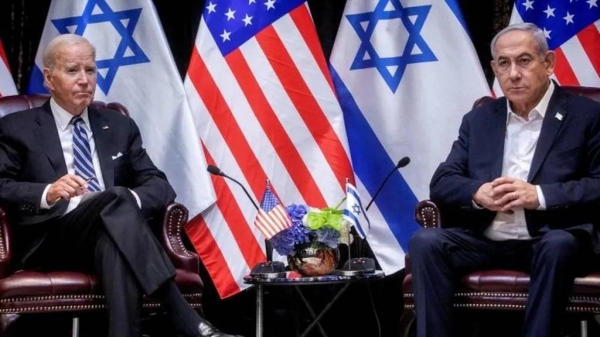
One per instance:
(577, 60)
(265, 111)
(272, 222)
(7, 85)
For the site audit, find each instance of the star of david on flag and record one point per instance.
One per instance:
(135, 67)
(572, 30)
(354, 211)
(126, 52)
(416, 50)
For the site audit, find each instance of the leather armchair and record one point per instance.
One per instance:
(23, 291)
(499, 289)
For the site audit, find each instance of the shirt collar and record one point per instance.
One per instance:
(63, 117)
(541, 107)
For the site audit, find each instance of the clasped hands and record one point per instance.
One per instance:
(504, 194)
(67, 187)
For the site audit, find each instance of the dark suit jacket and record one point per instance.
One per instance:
(31, 157)
(566, 165)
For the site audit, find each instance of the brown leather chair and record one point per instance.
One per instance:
(23, 291)
(499, 289)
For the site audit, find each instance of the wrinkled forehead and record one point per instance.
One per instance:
(75, 53)
(514, 44)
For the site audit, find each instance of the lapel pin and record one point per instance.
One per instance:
(106, 127)
(558, 116)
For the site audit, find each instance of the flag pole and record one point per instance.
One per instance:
(349, 230)
(268, 247)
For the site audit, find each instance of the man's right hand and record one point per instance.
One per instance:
(67, 187)
(486, 198)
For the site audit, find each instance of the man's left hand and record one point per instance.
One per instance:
(515, 193)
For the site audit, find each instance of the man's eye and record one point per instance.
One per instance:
(524, 62)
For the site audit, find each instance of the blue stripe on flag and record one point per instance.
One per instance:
(371, 163)
(356, 223)
(36, 82)
(354, 193)
(455, 8)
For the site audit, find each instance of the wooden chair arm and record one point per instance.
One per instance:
(427, 214)
(176, 217)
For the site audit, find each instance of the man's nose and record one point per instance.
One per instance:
(83, 77)
(514, 72)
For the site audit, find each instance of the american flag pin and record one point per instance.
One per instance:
(558, 116)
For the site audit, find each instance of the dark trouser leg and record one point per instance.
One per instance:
(116, 213)
(110, 219)
(553, 270)
(123, 298)
(439, 257)
(185, 319)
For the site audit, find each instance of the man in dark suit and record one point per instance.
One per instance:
(53, 157)
(519, 190)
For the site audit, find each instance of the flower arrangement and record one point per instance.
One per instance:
(312, 228)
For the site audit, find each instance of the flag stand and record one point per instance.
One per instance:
(357, 265)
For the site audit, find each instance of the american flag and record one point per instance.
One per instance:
(264, 105)
(272, 217)
(7, 85)
(572, 31)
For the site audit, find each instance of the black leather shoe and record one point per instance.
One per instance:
(205, 329)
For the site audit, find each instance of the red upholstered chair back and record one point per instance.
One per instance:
(10, 104)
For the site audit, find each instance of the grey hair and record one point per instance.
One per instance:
(538, 36)
(49, 56)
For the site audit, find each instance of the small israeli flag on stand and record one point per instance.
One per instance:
(354, 211)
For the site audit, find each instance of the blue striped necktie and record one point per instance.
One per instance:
(84, 166)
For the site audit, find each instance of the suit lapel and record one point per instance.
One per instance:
(102, 139)
(497, 134)
(47, 135)
(553, 119)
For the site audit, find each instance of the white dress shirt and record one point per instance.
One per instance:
(64, 126)
(520, 142)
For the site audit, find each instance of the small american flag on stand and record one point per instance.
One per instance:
(272, 217)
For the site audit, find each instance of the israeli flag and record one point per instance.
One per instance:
(405, 73)
(136, 68)
(354, 212)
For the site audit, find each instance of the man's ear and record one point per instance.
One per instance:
(493, 64)
(550, 62)
(47, 79)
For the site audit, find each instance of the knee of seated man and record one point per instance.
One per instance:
(120, 192)
(558, 242)
(425, 240)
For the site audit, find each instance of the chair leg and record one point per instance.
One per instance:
(407, 323)
(75, 329)
(7, 322)
(584, 328)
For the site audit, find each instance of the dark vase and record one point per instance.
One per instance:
(312, 261)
